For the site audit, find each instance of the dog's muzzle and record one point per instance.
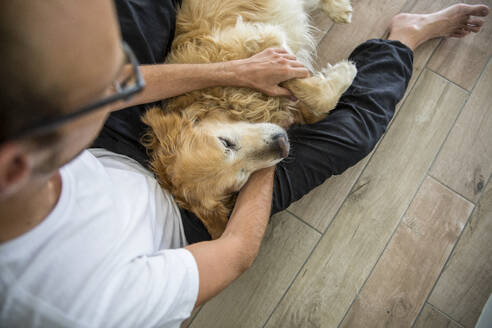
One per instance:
(280, 143)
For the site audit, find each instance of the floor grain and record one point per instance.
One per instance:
(404, 275)
(432, 318)
(249, 300)
(336, 270)
(465, 161)
(466, 282)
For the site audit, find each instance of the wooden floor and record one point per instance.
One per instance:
(404, 238)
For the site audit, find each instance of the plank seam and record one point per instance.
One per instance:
(451, 189)
(397, 225)
(443, 268)
(292, 282)
(411, 201)
(302, 221)
(452, 127)
(384, 249)
(471, 213)
(453, 83)
(481, 73)
(443, 314)
(450, 255)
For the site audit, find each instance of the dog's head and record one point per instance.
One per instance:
(202, 163)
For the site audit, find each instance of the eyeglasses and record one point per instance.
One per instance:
(124, 88)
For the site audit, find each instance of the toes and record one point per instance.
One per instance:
(474, 21)
(476, 10)
(474, 29)
(473, 24)
(460, 33)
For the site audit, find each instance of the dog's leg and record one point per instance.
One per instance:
(320, 92)
(338, 10)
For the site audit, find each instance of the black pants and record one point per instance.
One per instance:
(319, 150)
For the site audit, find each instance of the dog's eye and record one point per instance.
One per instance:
(227, 143)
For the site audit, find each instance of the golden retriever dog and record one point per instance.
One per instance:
(205, 144)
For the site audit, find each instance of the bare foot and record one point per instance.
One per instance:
(455, 21)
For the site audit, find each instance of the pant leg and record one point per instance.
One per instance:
(352, 129)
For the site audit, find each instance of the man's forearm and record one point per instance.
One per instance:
(169, 80)
(222, 260)
(263, 71)
(251, 214)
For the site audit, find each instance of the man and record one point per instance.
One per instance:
(89, 238)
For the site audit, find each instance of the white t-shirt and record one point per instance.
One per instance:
(108, 255)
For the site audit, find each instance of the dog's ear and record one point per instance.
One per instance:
(163, 141)
(166, 127)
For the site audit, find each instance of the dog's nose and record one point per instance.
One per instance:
(281, 141)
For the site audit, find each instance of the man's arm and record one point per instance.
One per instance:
(263, 72)
(222, 260)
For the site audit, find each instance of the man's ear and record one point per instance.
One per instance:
(14, 168)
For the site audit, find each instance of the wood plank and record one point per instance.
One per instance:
(431, 318)
(249, 300)
(404, 275)
(370, 20)
(462, 60)
(322, 23)
(465, 161)
(320, 206)
(466, 282)
(341, 262)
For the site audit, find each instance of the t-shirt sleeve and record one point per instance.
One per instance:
(158, 290)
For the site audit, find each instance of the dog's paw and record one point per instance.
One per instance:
(342, 73)
(340, 11)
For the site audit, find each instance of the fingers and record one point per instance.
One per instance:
(282, 56)
(279, 91)
(295, 63)
(273, 66)
(299, 73)
(278, 50)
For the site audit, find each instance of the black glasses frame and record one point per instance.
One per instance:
(123, 92)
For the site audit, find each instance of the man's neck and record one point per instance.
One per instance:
(28, 207)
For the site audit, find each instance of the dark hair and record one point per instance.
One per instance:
(22, 99)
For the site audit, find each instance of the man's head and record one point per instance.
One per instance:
(57, 55)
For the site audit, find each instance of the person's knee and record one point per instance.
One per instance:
(366, 145)
(358, 150)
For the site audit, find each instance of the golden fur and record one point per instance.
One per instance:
(202, 151)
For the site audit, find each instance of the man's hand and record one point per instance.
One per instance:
(265, 70)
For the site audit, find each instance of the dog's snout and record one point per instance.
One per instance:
(281, 142)
(277, 136)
